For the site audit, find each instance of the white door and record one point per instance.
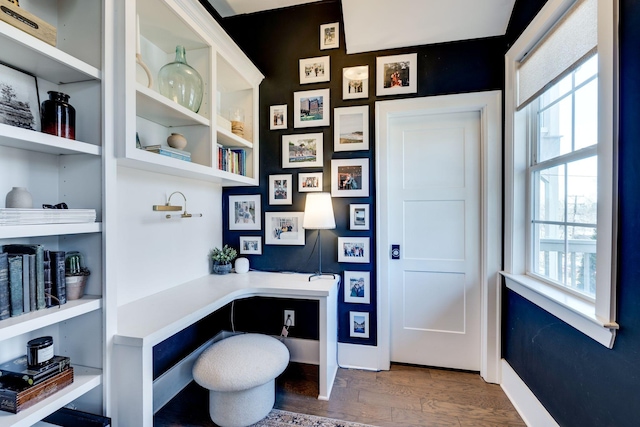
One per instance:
(434, 215)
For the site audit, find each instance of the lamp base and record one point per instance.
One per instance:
(320, 274)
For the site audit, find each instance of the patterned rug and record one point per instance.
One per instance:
(278, 418)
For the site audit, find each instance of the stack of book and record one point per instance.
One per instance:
(22, 386)
(31, 278)
(16, 216)
(169, 152)
(232, 160)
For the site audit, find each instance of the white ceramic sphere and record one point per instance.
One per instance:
(177, 141)
(242, 265)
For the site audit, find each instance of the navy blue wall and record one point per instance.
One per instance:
(275, 41)
(580, 382)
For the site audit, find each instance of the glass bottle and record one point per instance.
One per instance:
(180, 82)
(58, 116)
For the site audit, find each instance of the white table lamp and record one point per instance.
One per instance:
(318, 215)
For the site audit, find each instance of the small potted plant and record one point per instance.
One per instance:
(221, 259)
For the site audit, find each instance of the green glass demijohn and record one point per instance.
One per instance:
(180, 82)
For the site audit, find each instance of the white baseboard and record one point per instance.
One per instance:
(352, 356)
(525, 402)
(303, 351)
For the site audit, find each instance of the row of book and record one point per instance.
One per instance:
(169, 152)
(232, 160)
(22, 386)
(31, 278)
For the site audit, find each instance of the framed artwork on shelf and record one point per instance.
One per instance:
(351, 128)
(280, 188)
(308, 182)
(250, 245)
(19, 97)
(308, 108)
(350, 177)
(278, 114)
(315, 70)
(245, 212)
(396, 74)
(283, 228)
(354, 249)
(358, 217)
(355, 82)
(357, 287)
(302, 150)
(330, 36)
(359, 322)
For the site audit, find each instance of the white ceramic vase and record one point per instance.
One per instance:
(177, 141)
(19, 197)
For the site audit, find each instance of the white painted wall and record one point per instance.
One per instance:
(155, 253)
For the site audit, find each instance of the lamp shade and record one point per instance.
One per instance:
(318, 212)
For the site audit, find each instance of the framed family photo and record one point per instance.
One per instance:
(280, 189)
(278, 114)
(350, 177)
(19, 97)
(302, 150)
(309, 108)
(357, 287)
(355, 82)
(358, 217)
(354, 249)
(359, 322)
(283, 228)
(314, 70)
(245, 212)
(308, 182)
(396, 74)
(330, 36)
(251, 245)
(351, 128)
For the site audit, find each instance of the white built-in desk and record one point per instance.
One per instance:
(150, 320)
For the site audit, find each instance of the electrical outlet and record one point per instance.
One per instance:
(289, 318)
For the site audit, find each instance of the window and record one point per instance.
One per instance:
(560, 174)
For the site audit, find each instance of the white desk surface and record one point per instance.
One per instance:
(152, 319)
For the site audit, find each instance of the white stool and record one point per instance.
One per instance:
(240, 373)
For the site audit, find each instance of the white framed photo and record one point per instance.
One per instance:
(351, 128)
(350, 177)
(315, 70)
(357, 287)
(359, 322)
(330, 36)
(308, 182)
(20, 99)
(245, 212)
(280, 189)
(278, 114)
(396, 74)
(309, 108)
(355, 82)
(283, 228)
(358, 217)
(251, 245)
(302, 150)
(354, 249)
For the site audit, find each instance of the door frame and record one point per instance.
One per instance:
(489, 105)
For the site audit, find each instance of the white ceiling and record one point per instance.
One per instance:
(371, 25)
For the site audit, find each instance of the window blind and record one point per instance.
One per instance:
(571, 41)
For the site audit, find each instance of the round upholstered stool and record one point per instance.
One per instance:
(240, 373)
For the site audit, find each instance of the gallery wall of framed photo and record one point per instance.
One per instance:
(317, 133)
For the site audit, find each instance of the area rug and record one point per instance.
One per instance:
(278, 418)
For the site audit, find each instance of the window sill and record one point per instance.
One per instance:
(576, 312)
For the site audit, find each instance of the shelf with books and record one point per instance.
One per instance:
(85, 380)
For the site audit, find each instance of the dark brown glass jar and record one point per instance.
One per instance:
(58, 116)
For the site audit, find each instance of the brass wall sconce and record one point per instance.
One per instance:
(168, 207)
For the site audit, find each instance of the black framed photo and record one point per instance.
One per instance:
(19, 99)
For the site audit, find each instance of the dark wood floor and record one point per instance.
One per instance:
(405, 396)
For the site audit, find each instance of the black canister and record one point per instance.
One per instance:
(58, 116)
(39, 351)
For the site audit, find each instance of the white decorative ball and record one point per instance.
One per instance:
(242, 265)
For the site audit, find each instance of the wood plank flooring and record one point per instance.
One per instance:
(405, 396)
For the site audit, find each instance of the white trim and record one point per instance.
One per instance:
(488, 104)
(528, 406)
(603, 312)
(353, 356)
